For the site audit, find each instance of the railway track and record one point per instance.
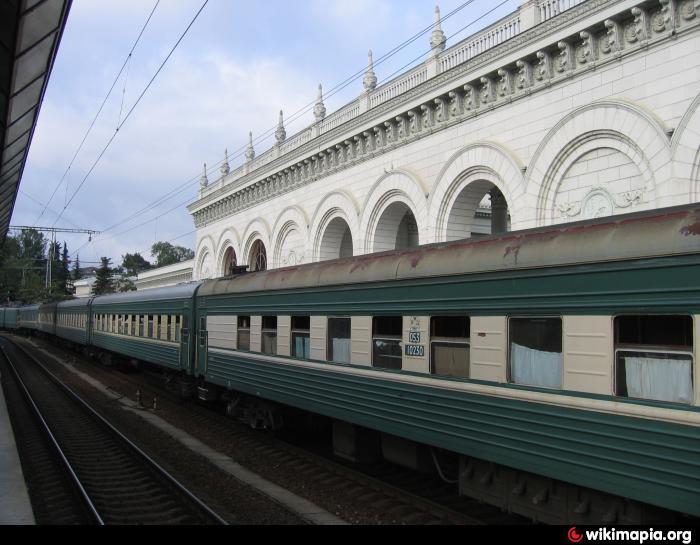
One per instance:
(81, 469)
(395, 495)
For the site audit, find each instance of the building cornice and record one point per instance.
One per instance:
(591, 34)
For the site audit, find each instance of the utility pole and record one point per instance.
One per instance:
(53, 231)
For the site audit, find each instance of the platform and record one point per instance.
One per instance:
(15, 507)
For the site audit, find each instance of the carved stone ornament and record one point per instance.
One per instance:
(611, 43)
(204, 181)
(280, 133)
(585, 50)
(437, 38)
(637, 30)
(504, 83)
(249, 151)
(455, 104)
(471, 98)
(662, 20)
(597, 204)
(486, 93)
(544, 68)
(319, 107)
(413, 122)
(225, 167)
(689, 9)
(564, 58)
(441, 112)
(370, 80)
(524, 77)
(427, 116)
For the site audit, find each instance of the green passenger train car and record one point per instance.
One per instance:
(558, 364)
(72, 320)
(566, 353)
(10, 318)
(150, 325)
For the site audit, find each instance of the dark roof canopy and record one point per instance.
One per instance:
(30, 31)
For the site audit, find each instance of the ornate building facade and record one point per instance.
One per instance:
(563, 110)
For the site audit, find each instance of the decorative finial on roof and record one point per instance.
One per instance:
(319, 108)
(370, 79)
(437, 38)
(225, 168)
(280, 133)
(249, 151)
(204, 181)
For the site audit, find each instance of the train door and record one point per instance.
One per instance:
(185, 348)
(202, 345)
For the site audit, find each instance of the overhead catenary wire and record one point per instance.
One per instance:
(87, 133)
(133, 107)
(339, 87)
(238, 152)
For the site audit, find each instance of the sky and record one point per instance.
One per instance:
(237, 66)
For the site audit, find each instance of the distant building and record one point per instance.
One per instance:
(165, 276)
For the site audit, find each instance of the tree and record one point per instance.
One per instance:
(23, 267)
(134, 264)
(103, 278)
(167, 254)
(77, 275)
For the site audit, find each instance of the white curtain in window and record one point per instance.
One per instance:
(341, 350)
(301, 347)
(535, 367)
(269, 343)
(659, 379)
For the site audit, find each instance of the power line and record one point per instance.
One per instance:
(128, 57)
(126, 117)
(265, 135)
(339, 87)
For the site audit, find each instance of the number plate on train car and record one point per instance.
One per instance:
(416, 350)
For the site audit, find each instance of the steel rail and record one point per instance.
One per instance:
(54, 442)
(152, 463)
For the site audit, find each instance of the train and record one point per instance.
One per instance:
(556, 366)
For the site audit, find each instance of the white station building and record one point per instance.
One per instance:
(561, 111)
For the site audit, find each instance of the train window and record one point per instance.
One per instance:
(654, 358)
(142, 320)
(339, 339)
(243, 333)
(269, 334)
(535, 351)
(386, 342)
(449, 346)
(178, 328)
(168, 325)
(150, 326)
(300, 336)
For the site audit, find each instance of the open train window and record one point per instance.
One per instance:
(142, 320)
(386, 342)
(339, 339)
(536, 351)
(168, 325)
(269, 334)
(449, 346)
(179, 324)
(654, 357)
(301, 337)
(243, 333)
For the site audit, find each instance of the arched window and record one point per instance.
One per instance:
(258, 257)
(229, 262)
